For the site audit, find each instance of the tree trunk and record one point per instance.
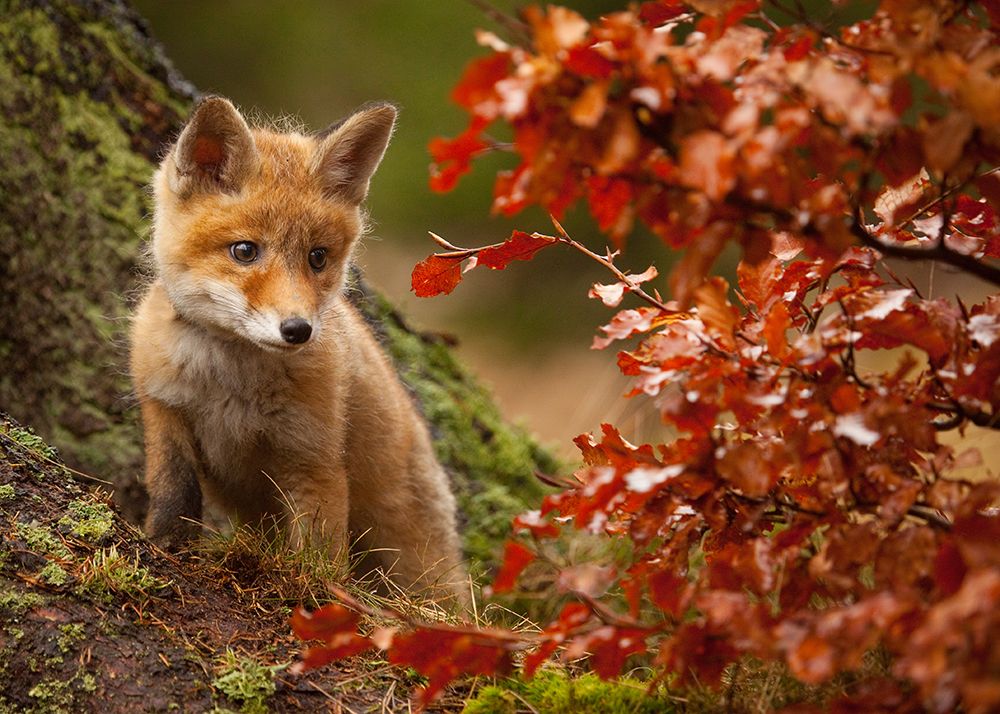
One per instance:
(88, 103)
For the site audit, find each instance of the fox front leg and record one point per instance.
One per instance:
(171, 477)
(317, 510)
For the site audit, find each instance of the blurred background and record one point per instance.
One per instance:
(526, 331)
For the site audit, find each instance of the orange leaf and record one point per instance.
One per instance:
(436, 275)
(715, 310)
(476, 91)
(516, 557)
(323, 624)
(520, 246)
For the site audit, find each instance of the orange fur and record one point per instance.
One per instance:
(317, 436)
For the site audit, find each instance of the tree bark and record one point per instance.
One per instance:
(88, 103)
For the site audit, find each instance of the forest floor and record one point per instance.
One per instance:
(95, 618)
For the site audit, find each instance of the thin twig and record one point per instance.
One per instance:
(609, 264)
(52, 462)
(938, 252)
(514, 25)
(945, 194)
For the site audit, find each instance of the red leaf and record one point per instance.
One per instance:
(436, 276)
(520, 246)
(588, 62)
(609, 200)
(453, 157)
(609, 647)
(323, 624)
(625, 324)
(669, 591)
(660, 12)
(799, 49)
(516, 557)
(715, 310)
(573, 615)
(949, 568)
(340, 647)
(775, 325)
(536, 524)
(708, 163)
(443, 655)
(476, 90)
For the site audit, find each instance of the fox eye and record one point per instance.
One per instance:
(317, 258)
(244, 251)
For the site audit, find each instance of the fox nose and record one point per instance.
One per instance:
(295, 330)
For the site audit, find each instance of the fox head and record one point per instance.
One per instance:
(253, 229)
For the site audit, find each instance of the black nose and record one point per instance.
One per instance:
(295, 330)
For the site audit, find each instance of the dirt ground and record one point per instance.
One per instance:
(94, 618)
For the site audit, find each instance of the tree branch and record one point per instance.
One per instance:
(966, 263)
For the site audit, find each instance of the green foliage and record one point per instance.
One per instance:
(17, 602)
(42, 541)
(108, 573)
(29, 440)
(59, 696)
(6, 492)
(244, 680)
(555, 692)
(54, 574)
(88, 519)
(69, 635)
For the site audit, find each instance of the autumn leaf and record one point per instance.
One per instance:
(810, 502)
(520, 246)
(329, 621)
(715, 310)
(516, 558)
(436, 275)
(611, 295)
(476, 91)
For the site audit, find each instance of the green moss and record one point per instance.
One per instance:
(86, 107)
(555, 692)
(59, 696)
(246, 681)
(6, 492)
(18, 602)
(29, 440)
(89, 519)
(42, 541)
(69, 635)
(54, 574)
(108, 573)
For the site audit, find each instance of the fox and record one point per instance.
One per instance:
(262, 391)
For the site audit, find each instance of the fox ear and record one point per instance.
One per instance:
(215, 152)
(349, 152)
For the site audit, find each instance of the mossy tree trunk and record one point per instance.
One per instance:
(88, 102)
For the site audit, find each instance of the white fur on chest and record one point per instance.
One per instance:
(238, 397)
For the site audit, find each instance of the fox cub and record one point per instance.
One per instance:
(260, 385)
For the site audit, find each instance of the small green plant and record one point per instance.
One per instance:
(30, 440)
(54, 574)
(17, 602)
(69, 635)
(58, 696)
(42, 541)
(556, 692)
(107, 573)
(88, 519)
(6, 492)
(247, 681)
